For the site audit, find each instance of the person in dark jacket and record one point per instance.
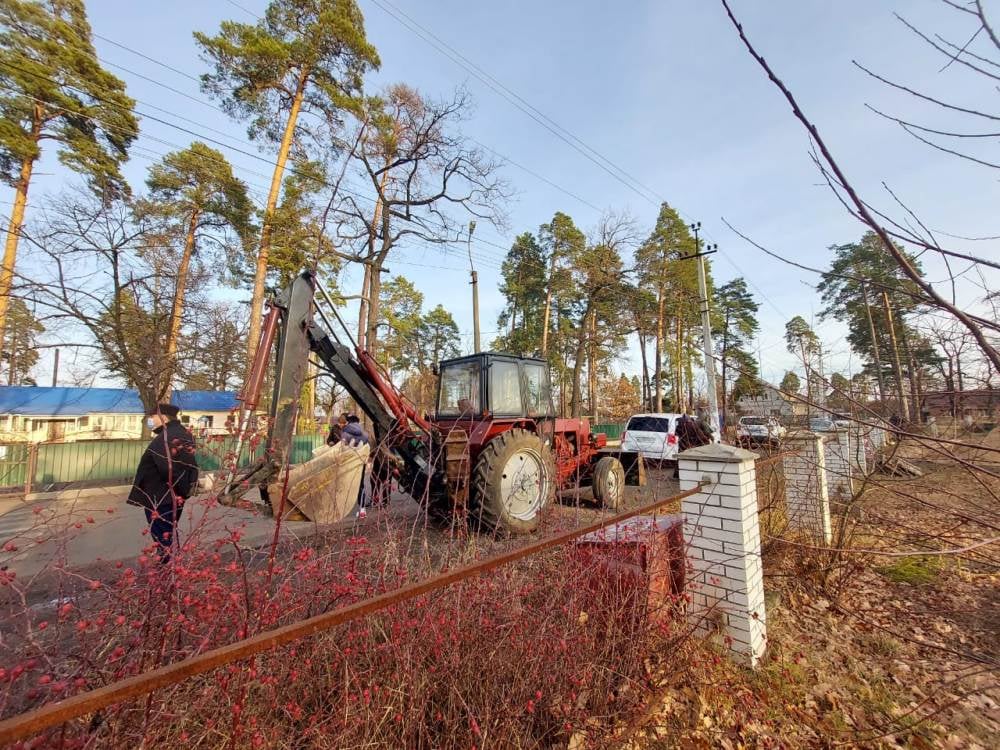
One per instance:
(336, 429)
(166, 477)
(690, 434)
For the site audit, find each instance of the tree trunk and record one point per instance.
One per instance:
(260, 275)
(904, 409)
(679, 403)
(581, 343)
(912, 373)
(809, 378)
(176, 311)
(644, 389)
(689, 367)
(375, 286)
(658, 364)
(363, 306)
(949, 382)
(875, 347)
(12, 363)
(548, 306)
(592, 367)
(725, 351)
(14, 228)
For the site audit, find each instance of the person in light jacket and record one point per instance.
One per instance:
(166, 477)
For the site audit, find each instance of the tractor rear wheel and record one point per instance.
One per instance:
(513, 481)
(609, 483)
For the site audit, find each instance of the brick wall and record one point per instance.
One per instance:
(807, 500)
(838, 463)
(723, 543)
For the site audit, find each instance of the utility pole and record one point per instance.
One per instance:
(475, 291)
(55, 369)
(706, 332)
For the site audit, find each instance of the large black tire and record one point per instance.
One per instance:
(514, 480)
(609, 483)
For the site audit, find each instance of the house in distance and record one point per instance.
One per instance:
(36, 415)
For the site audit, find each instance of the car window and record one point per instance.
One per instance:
(754, 420)
(649, 424)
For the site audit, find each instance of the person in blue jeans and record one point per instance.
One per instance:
(165, 478)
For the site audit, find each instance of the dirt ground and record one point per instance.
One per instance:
(866, 649)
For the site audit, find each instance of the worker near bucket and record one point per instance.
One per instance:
(353, 434)
(165, 478)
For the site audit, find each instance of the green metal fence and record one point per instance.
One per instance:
(613, 431)
(13, 464)
(103, 461)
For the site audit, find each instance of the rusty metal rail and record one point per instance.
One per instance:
(53, 714)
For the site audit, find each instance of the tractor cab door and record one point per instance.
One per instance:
(460, 390)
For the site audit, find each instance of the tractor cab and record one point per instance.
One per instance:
(494, 386)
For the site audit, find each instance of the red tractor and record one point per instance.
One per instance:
(494, 451)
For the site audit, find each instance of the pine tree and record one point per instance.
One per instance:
(866, 289)
(790, 383)
(53, 89)
(438, 337)
(523, 285)
(195, 187)
(561, 240)
(675, 283)
(19, 352)
(734, 325)
(304, 55)
(400, 319)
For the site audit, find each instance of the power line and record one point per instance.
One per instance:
(422, 223)
(519, 102)
(567, 136)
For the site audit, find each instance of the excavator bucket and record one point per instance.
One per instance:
(322, 490)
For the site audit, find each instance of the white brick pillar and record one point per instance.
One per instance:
(722, 536)
(807, 499)
(838, 463)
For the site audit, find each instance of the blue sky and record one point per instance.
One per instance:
(664, 90)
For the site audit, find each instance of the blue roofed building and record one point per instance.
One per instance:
(38, 414)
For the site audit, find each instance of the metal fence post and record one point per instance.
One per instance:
(29, 472)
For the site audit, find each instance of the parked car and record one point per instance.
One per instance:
(821, 424)
(841, 422)
(759, 430)
(652, 435)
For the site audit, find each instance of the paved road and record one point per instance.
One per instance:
(80, 529)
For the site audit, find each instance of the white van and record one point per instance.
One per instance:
(652, 435)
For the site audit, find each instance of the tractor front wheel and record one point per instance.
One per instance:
(513, 481)
(609, 483)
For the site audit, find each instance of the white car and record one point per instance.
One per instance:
(821, 424)
(759, 430)
(652, 435)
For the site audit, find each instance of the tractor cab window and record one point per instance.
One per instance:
(536, 395)
(459, 394)
(505, 388)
